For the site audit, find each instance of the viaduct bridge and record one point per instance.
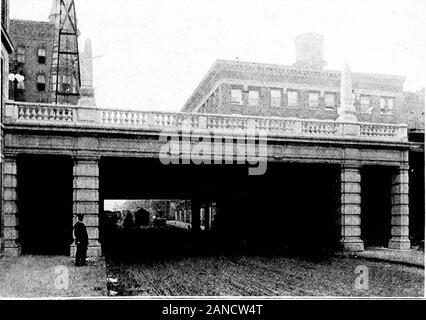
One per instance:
(62, 160)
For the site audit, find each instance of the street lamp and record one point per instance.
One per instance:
(16, 78)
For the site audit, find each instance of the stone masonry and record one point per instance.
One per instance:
(86, 201)
(400, 221)
(11, 246)
(350, 208)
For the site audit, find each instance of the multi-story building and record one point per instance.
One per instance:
(47, 58)
(307, 90)
(32, 59)
(6, 50)
(304, 90)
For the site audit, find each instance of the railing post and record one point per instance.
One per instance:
(202, 122)
(351, 129)
(11, 111)
(87, 115)
(150, 119)
(402, 133)
(298, 127)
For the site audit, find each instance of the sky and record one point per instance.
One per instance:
(151, 55)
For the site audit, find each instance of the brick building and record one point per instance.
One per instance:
(46, 68)
(33, 59)
(304, 89)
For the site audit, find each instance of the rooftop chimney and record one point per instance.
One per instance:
(309, 51)
(54, 12)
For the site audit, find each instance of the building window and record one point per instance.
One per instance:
(41, 82)
(41, 54)
(275, 98)
(386, 105)
(391, 103)
(329, 100)
(236, 96)
(292, 98)
(313, 99)
(253, 98)
(66, 83)
(20, 54)
(365, 102)
(20, 85)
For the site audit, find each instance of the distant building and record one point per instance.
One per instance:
(304, 89)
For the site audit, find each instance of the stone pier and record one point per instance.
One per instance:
(195, 215)
(86, 201)
(350, 208)
(399, 220)
(207, 215)
(11, 246)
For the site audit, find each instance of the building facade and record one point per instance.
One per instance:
(303, 90)
(47, 57)
(32, 59)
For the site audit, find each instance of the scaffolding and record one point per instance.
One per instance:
(66, 79)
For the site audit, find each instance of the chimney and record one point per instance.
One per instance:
(309, 51)
(54, 12)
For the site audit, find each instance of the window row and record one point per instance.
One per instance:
(40, 83)
(366, 106)
(67, 83)
(386, 104)
(276, 98)
(21, 55)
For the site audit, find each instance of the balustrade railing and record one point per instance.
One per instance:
(17, 112)
(32, 112)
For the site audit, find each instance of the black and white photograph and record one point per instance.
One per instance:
(212, 150)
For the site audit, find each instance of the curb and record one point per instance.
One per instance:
(406, 263)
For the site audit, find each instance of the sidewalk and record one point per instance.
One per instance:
(51, 276)
(410, 257)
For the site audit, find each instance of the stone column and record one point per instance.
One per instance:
(11, 247)
(399, 220)
(206, 216)
(86, 201)
(195, 214)
(350, 208)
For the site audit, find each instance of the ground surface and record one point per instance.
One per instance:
(262, 276)
(44, 276)
(273, 275)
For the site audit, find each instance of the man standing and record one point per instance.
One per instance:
(81, 240)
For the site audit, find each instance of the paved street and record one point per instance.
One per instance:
(36, 276)
(263, 276)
